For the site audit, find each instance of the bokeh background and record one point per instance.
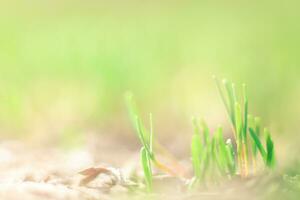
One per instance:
(65, 65)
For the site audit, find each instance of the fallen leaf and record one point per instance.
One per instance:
(92, 173)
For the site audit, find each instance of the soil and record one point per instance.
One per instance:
(97, 171)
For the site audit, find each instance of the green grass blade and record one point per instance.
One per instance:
(257, 128)
(223, 157)
(206, 161)
(257, 125)
(143, 137)
(231, 98)
(245, 112)
(253, 145)
(215, 156)
(204, 164)
(141, 131)
(231, 157)
(210, 164)
(151, 134)
(258, 143)
(145, 159)
(206, 134)
(238, 122)
(197, 149)
(200, 150)
(245, 128)
(270, 161)
(216, 168)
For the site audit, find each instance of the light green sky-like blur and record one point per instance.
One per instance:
(67, 64)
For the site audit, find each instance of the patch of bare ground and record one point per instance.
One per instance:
(101, 170)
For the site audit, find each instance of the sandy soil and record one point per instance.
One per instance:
(98, 171)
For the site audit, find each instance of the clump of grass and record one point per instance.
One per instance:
(146, 138)
(213, 157)
(239, 118)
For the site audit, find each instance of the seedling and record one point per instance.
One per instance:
(237, 112)
(146, 153)
(211, 156)
(146, 139)
(267, 153)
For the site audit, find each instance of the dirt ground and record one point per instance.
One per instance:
(102, 170)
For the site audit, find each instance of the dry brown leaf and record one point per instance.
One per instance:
(92, 173)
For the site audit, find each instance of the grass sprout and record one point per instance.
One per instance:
(213, 156)
(146, 163)
(146, 138)
(243, 125)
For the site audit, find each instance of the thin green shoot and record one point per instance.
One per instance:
(231, 157)
(258, 143)
(213, 158)
(146, 164)
(151, 133)
(267, 153)
(205, 129)
(270, 160)
(146, 139)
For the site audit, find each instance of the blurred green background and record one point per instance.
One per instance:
(65, 65)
